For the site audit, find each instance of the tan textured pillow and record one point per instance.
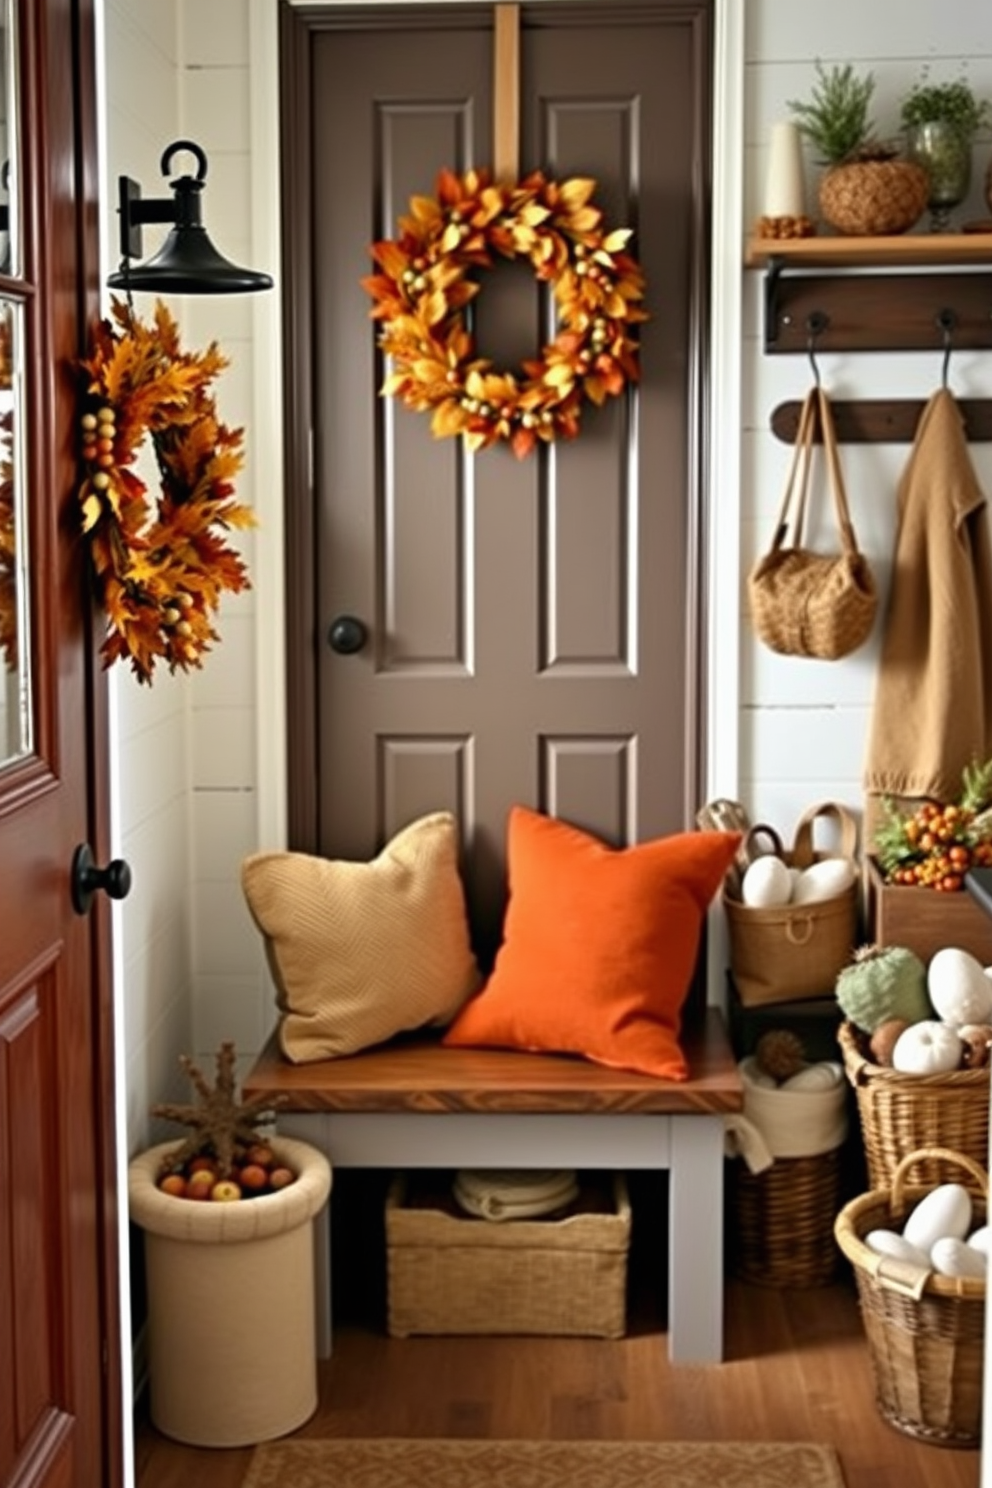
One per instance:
(362, 951)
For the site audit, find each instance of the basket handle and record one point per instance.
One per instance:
(803, 853)
(938, 1154)
(760, 829)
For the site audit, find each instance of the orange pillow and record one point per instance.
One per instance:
(599, 945)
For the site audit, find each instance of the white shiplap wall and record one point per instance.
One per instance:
(152, 775)
(803, 723)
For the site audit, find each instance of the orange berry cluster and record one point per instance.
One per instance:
(940, 849)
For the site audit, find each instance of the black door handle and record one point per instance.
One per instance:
(86, 878)
(347, 635)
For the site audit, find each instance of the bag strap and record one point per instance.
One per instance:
(797, 481)
(829, 436)
(803, 852)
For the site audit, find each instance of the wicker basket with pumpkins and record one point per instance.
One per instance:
(865, 189)
(916, 1044)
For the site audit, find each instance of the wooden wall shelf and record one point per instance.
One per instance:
(941, 311)
(907, 250)
(814, 293)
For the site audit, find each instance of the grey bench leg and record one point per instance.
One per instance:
(695, 1240)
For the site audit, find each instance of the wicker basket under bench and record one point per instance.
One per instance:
(415, 1104)
(561, 1274)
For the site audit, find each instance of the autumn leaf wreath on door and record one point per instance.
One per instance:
(161, 568)
(425, 283)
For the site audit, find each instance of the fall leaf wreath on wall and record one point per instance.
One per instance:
(425, 283)
(161, 568)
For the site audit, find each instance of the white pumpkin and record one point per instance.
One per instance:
(826, 879)
(753, 1074)
(890, 1243)
(959, 989)
(979, 1239)
(927, 1048)
(950, 1257)
(767, 883)
(824, 1075)
(944, 1212)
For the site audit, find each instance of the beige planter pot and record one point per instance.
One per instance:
(231, 1307)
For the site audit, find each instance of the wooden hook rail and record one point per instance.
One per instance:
(883, 420)
(877, 312)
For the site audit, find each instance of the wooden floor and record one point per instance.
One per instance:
(797, 1368)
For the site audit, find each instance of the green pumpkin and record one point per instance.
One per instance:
(881, 983)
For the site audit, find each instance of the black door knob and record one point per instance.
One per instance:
(86, 878)
(347, 635)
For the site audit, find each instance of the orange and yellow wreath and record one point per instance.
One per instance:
(425, 283)
(161, 572)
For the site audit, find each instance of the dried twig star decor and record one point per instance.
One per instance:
(219, 1120)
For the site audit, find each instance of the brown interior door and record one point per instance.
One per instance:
(530, 626)
(58, 1331)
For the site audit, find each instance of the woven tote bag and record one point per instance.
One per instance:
(804, 603)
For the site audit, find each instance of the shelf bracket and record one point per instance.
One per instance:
(773, 273)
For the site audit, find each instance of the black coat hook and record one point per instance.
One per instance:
(946, 320)
(816, 324)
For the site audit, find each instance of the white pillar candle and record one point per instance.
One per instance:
(785, 194)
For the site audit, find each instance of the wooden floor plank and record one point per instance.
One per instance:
(797, 1368)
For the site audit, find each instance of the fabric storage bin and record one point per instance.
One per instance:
(925, 1333)
(793, 951)
(448, 1272)
(903, 1113)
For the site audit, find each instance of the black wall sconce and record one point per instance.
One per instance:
(187, 262)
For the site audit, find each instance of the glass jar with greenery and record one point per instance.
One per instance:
(940, 122)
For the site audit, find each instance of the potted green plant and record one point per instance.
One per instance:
(865, 189)
(939, 123)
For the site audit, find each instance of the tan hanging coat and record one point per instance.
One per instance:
(932, 712)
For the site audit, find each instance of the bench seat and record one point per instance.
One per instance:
(414, 1103)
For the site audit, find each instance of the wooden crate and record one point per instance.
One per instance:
(924, 920)
(451, 1273)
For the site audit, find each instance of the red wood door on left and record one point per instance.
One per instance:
(59, 1382)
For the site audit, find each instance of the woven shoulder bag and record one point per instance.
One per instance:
(804, 603)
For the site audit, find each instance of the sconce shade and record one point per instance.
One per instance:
(187, 262)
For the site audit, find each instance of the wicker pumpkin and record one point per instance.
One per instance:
(874, 197)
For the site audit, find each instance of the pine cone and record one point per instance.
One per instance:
(780, 1053)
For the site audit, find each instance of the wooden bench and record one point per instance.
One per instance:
(414, 1104)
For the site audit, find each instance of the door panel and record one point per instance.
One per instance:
(57, 1296)
(532, 626)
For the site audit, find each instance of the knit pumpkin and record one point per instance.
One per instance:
(881, 983)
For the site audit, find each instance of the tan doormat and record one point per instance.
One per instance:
(531, 1464)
